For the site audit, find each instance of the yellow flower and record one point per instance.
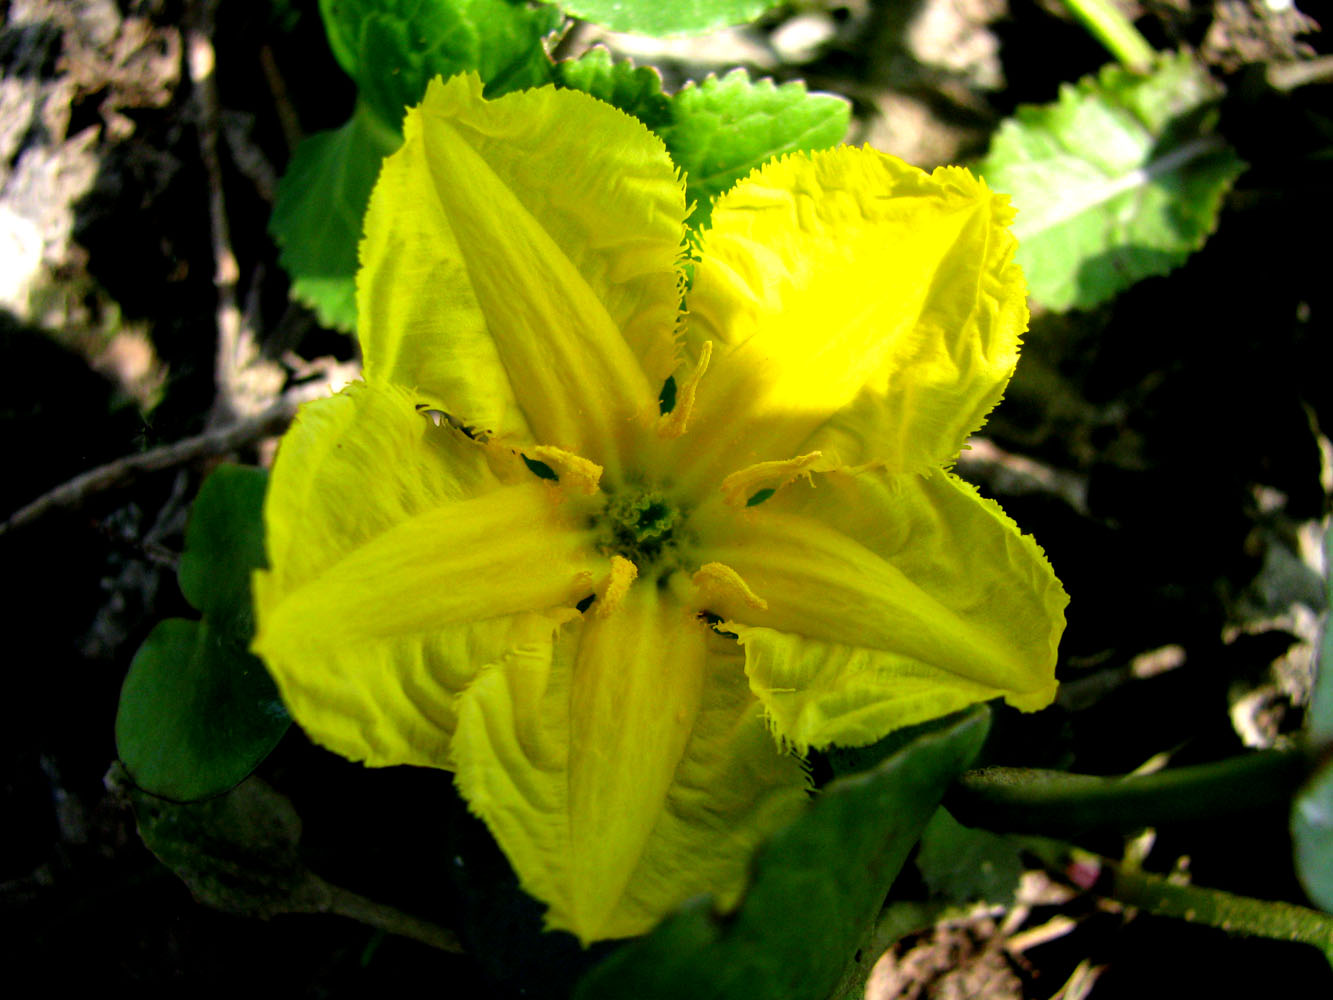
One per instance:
(612, 564)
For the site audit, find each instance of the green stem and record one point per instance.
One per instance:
(1114, 31)
(1161, 896)
(1223, 910)
(1054, 803)
(390, 920)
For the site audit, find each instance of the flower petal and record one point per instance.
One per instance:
(520, 263)
(400, 567)
(890, 600)
(859, 307)
(626, 772)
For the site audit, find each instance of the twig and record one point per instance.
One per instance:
(218, 441)
(238, 360)
(292, 133)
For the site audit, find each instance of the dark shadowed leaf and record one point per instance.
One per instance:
(963, 865)
(1312, 812)
(237, 852)
(197, 711)
(224, 544)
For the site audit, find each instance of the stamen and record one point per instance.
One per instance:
(739, 488)
(572, 470)
(722, 581)
(623, 573)
(672, 424)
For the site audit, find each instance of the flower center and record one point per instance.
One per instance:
(640, 525)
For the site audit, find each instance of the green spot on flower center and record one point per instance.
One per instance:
(759, 497)
(640, 525)
(539, 469)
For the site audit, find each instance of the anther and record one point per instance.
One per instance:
(613, 591)
(572, 471)
(739, 487)
(720, 580)
(673, 424)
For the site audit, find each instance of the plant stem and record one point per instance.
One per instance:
(1110, 27)
(1223, 910)
(390, 920)
(1054, 803)
(1163, 896)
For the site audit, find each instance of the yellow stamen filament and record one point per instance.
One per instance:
(672, 425)
(720, 580)
(738, 487)
(623, 573)
(574, 471)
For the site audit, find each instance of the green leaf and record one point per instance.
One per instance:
(1312, 811)
(237, 852)
(197, 712)
(224, 544)
(717, 131)
(963, 865)
(1319, 723)
(720, 130)
(668, 17)
(1120, 179)
(1312, 837)
(818, 885)
(636, 91)
(318, 210)
(392, 49)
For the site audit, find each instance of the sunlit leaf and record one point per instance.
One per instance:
(1120, 179)
(720, 130)
(668, 17)
(635, 90)
(392, 49)
(318, 210)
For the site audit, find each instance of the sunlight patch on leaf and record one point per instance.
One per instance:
(1120, 179)
(677, 17)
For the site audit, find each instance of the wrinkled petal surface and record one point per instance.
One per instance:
(519, 264)
(857, 306)
(890, 600)
(401, 566)
(626, 769)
